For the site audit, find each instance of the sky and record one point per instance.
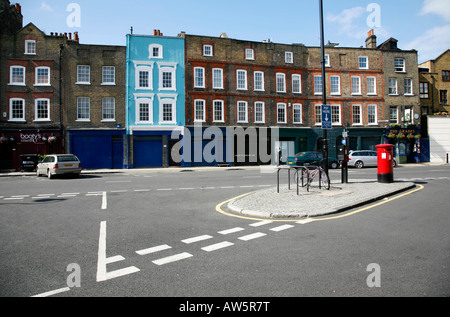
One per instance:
(423, 25)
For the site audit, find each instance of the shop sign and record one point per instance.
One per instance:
(30, 138)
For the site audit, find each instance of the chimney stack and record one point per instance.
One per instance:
(371, 41)
(18, 8)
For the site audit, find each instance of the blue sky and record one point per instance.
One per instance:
(423, 25)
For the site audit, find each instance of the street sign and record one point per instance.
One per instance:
(326, 117)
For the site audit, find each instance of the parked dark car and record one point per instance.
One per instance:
(312, 158)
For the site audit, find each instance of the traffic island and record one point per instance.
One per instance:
(269, 203)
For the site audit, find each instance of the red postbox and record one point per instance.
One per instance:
(385, 158)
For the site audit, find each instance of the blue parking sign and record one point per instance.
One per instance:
(326, 117)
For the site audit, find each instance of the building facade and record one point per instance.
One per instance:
(155, 99)
(262, 85)
(435, 84)
(59, 96)
(94, 104)
(434, 78)
(30, 95)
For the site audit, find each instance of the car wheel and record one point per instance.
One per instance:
(49, 174)
(334, 165)
(394, 163)
(359, 164)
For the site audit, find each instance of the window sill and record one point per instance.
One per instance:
(17, 120)
(108, 84)
(83, 83)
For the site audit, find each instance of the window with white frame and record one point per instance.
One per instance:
(17, 109)
(281, 82)
(83, 109)
(42, 76)
(30, 47)
(144, 77)
(327, 60)
(242, 112)
(281, 113)
(392, 86)
(17, 75)
(371, 85)
(42, 109)
(217, 78)
(335, 85)
(199, 77)
(393, 114)
(144, 110)
(84, 74)
(199, 110)
(167, 79)
(356, 85)
(408, 87)
(167, 111)
(372, 114)
(258, 81)
(260, 112)
(155, 51)
(218, 111)
(297, 113)
(363, 62)
(318, 85)
(318, 114)
(249, 54)
(241, 79)
(296, 84)
(399, 65)
(108, 75)
(336, 114)
(289, 57)
(207, 50)
(108, 109)
(356, 115)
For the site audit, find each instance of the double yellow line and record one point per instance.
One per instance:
(219, 208)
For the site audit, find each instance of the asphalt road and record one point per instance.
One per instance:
(158, 234)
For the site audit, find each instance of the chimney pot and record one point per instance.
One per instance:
(155, 33)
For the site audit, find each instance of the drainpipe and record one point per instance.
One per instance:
(61, 125)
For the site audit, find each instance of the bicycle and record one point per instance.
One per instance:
(324, 180)
(304, 176)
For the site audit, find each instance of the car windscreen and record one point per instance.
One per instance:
(67, 158)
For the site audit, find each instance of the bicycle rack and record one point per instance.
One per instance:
(288, 169)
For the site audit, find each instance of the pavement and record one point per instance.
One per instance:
(269, 203)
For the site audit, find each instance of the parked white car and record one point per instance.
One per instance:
(58, 164)
(360, 159)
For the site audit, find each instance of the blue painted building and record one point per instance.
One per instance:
(155, 99)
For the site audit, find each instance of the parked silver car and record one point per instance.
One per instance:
(360, 159)
(58, 164)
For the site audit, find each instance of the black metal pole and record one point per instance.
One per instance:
(324, 85)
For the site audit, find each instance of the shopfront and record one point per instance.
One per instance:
(14, 143)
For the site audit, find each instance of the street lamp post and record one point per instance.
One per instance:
(324, 89)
